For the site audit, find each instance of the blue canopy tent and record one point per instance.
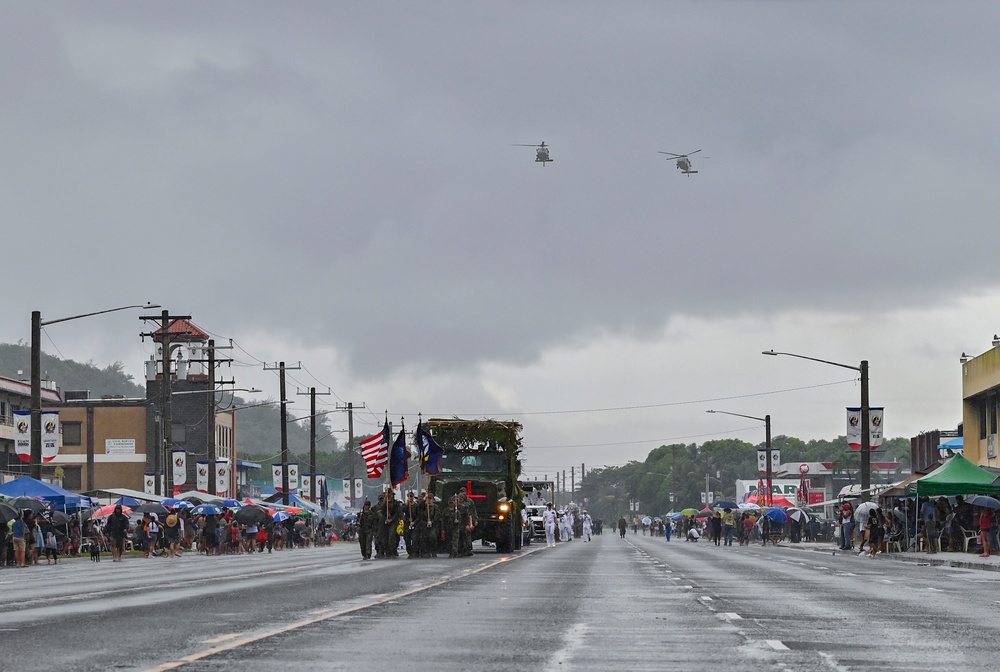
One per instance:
(951, 447)
(57, 497)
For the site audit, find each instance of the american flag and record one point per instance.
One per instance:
(375, 450)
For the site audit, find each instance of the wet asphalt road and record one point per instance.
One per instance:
(637, 604)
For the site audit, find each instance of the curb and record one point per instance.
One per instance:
(913, 559)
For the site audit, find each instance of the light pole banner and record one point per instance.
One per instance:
(276, 476)
(202, 476)
(875, 433)
(179, 463)
(22, 435)
(306, 486)
(149, 484)
(222, 476)
(50, 435)
(293, 476)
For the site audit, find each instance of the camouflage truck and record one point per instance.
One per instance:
(482, 456)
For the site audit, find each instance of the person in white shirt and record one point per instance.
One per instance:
(549, 519)
(588, 526)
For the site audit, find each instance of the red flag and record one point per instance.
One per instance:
(375, 450)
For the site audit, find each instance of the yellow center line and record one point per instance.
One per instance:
(382, 599)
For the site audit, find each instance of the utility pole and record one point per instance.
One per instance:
(284, 426)
(312, 438)
(350, 444)
(211, 445)
(166, 428)
(572, 484)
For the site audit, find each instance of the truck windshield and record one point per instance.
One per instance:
(472, 462)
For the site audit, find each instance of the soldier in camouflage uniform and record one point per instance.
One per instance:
(367, 522)
(411, 515)
(456, 521)
(393, 512)
(469, 510)
(429, 526)
(380, 538)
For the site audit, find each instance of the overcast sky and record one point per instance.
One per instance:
(333, 183)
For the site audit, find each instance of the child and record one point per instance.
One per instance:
(51, 548)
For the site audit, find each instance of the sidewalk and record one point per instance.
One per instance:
(942, 559)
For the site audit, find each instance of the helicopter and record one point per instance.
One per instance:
(541, 152)
(683, 162)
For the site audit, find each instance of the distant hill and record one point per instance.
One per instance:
(258, 428)
(69, 375)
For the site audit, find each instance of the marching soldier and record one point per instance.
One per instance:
(411, 513)
(429, 518)
(380, 530)
(367, 521)
(456, 521)
(393, 516)
(469, 511)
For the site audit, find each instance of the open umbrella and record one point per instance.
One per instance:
(128, 501)
(177, 504)
(689, 512)
(798, 515)
(984, 501)
(251, 514)
(705, 514)
(22, 503)
(7, 513)
(152, 507)
(195, 500)
(106, 511)
(777, 515)
(746, 506)
(865, 508)
(206, 510)
(281, 516)
(725, 504)
(230, 503)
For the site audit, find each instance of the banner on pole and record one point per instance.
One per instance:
(875, 432)
(276, 472)
(202, 477)
(222, 476)
(179, 463)
(50, 435)
(22, 435)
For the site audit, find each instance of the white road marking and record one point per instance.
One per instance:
(220, 638)
(832, 662)
(935, 590)
(776, 644)
(706, 598)
(729, 616)
(572, 639)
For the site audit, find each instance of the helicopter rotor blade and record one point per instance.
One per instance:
(676, 156)
(525, 145)
(694, 152)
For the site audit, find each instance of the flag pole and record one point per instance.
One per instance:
(388, 477)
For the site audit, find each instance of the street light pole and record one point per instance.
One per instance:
(35, 465)
(866, 458)
(769, 468)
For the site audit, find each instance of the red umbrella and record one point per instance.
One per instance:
(106, 511)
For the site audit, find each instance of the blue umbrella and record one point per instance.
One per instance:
(777, 515)
(177, 504)
(130, 502)
(984, 501)
(206, 510)
(281, 516)
(228, 503)
(725, 504)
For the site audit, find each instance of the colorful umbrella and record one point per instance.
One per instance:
(984, 501)
(171, 503)
(281, 516)
(777, 515)
(206, 510)
(689, 512)
(106, 511)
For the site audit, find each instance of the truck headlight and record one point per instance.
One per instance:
(505, 507)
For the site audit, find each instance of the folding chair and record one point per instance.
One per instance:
(968, 536)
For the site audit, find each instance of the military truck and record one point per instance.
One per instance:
(482, 456)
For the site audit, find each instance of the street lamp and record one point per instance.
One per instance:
(36, 377)
(769, 468)
(866, 458)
